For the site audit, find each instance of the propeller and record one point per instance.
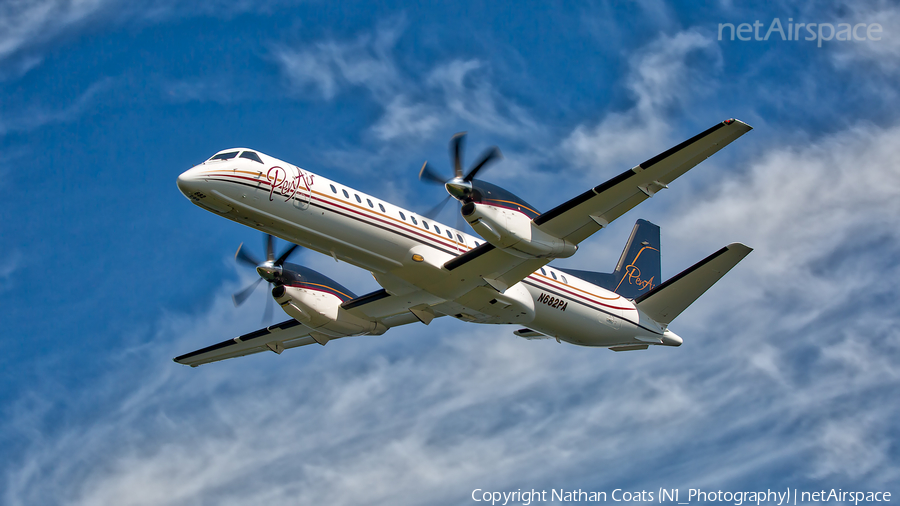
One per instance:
(460, 185)
(270, 270)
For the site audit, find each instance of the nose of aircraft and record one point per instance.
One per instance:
(189, 182)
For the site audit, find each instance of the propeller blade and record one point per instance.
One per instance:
(267, 314)
(284, 256)
(491, 154)
(429, 176)
(242, 256)
(456, 152)
(241, 297)
(270, 247)
(436, 210)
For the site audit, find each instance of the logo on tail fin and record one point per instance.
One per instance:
(633, 273)
(638, 269)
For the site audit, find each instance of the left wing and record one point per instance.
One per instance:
(277, 338)
(582, 216)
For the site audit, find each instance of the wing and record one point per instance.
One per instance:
(587, 213)
(391, 311)
(582, 216)
(277, 338)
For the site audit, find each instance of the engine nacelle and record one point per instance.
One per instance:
(514, 232)
(322, 312)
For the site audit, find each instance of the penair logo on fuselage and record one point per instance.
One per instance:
(280, 180)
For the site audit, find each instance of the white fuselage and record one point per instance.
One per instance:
(320, 214)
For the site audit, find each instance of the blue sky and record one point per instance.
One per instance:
(788, 375)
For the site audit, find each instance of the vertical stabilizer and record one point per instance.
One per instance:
(638, 269)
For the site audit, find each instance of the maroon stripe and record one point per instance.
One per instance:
(400, 225)
(578, 295)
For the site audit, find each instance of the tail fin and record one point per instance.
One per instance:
(638, 270)
(669, 299)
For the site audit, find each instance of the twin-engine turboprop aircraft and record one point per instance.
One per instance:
(428, 269)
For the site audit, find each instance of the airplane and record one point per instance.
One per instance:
(429, 270)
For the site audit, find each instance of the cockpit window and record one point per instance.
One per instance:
(226, 156)
(250, 155)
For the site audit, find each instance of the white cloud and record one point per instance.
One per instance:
(307, 70)
(31, 117)
(883, 50)
(806, 209)
(659, 79)
(330, 66)
(403, 119)
(201, 90)
(8, 266)
(453, 92)
(849, 448)
(24, 23)
(812, 306)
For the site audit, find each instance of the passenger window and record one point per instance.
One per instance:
(476, 244)
(460, 239)
(357, 198)
(450, 234)
(425, 224)
(543, 271)
(250, 155)
(553, 274)
(413, 218)
(370, 203)
(402, 216)
(333, 190)
(564, 279)
(346, 195)
(225, 156)
(381, 207)
(437, 229)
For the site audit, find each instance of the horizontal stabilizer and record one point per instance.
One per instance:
(668, 300)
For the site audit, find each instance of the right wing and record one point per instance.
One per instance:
(277, 338)
(380, 306)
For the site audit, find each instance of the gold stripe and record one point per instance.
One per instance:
(330, 288)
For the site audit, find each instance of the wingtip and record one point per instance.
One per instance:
(740, 247)
(731, 121)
